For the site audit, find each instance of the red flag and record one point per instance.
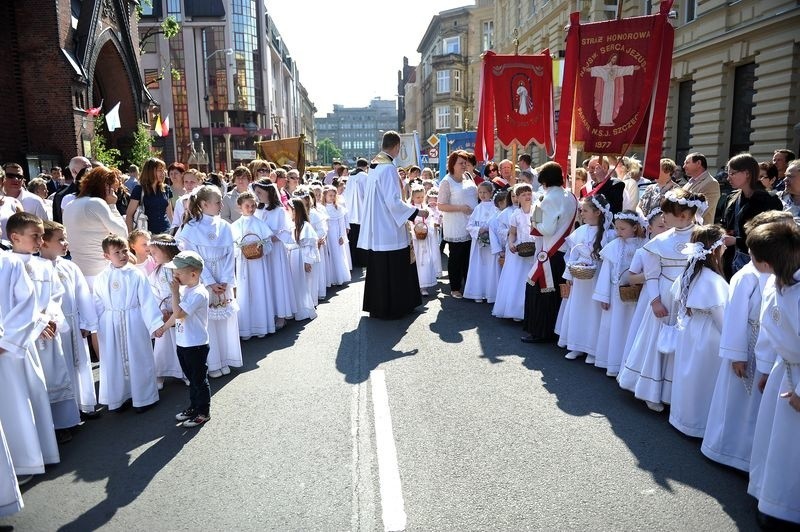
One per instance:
(93, 111)
(516, 96)
(165, 126)
(616, 84)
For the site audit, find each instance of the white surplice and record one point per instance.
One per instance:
(484, 272)
(384, 216)
(776, 455)
(615, 322)
(510, 298)
(304, 252)
(338, 259)
(319, 221)
(128, 315)
(427, 253)
(253, 281)
(284, 300)
(697, 359)
(165, 349)
(734, 410)
(24, 402)
(79, 311)
(10, 497)
(212, 239)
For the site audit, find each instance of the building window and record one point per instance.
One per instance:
(146, 9)
(742, 114)
(683, 129)
(648, 7)
(174, 9)
(148, 45)
(442, 81)
(442, 117)
(457, 81)
(488, 35)
(691, 10)
(151, 78)
(533, 8)
(451, 45)
(457, 117)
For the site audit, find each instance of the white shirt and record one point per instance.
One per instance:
(192, 329)
(384, 216)
(33, 204)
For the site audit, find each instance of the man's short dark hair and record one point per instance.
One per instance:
(362, 163)
(551, 175)
(698, 157)
(525, 158)
(390, 140)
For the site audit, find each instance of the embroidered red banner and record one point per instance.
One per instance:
(616, 85)
(516, 97)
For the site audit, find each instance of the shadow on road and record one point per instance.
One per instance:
(584, 390)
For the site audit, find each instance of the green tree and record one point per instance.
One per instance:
(141, 148)
(327, 151)
(110, 157)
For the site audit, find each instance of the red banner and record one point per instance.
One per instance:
(616, 85)
(516, 97)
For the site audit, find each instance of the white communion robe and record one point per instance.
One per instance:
(338, 259)
(427, 253)
(319, 221)
(49, 291)
(10, 497)
(79, 311)
(212, 239)
(305, 251)
(24, 402)
(642, 307)
(647, 372)
(284, 300)
(734, 410)
(776, 455)
(697, 359)
(165, 349)
(484, 272)
(128, 315)
(253, 280)
(510, 299)
(615, 322)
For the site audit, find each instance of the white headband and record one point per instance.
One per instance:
(631, 217)
(695, 251)
(608, 216)
(652, 214)
(161, 243)
(701, 206)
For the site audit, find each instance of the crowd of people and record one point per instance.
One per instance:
(683, 288)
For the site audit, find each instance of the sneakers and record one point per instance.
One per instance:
(196, 421)
(655, 407)
(572, 355)
(189, 413)
(216, 374)
(226, 370)
(589, 359)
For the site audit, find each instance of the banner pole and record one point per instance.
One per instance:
(619, 9)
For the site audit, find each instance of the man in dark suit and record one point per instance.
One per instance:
(605, 184)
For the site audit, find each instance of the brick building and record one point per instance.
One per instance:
(59, 58)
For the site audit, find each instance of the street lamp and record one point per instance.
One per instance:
(226, 51)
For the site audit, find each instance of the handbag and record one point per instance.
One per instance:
(140, 218)
(667, 341)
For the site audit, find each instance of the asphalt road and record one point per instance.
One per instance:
(441, 421)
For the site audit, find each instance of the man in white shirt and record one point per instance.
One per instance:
(392, 287)
(14, 187)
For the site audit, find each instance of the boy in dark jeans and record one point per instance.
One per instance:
(190, 316)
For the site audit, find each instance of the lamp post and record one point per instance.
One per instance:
(226, 51)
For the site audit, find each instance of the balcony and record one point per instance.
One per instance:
(445, 60)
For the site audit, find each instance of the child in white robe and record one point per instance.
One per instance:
(303, 258)
(128, 314)
(254, 290)
(505, 201)
(580, 324)
(77, 305)
(24, 402)
(23, 228)
(510, 299)
(647, 371)
(138, 240)
(207, 234)
(483, 272)
(318, 217)
(426, 249)
(616, 315)
(337, 260)
(432, 197)
(10, 497)
(734, 407)
(701, 294)
(775, 461)
(163, 249)
(271, 211)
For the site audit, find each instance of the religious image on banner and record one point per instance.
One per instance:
(409, 150)
(290, 151)
(615, 87)
(516, 102)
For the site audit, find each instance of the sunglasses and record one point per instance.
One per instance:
(14, 176)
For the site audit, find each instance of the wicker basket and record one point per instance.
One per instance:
(630, 292)
(252, 250)
(526, 249)
(564, 289)
(582, 271)
(420, 230)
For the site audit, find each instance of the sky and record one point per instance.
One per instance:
(349, 51)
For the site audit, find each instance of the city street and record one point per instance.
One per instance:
(441, 421)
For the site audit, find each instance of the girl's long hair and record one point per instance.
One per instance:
(149, 178)
(601, 224)
(300, 216)
(707, 235)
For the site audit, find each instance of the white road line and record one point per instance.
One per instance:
(393, 507)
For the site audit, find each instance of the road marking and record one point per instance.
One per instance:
(392, 505)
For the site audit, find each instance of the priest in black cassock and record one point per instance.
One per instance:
(391, 290)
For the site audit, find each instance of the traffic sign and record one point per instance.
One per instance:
(433, 152)
(433, 140)
(424, 159)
